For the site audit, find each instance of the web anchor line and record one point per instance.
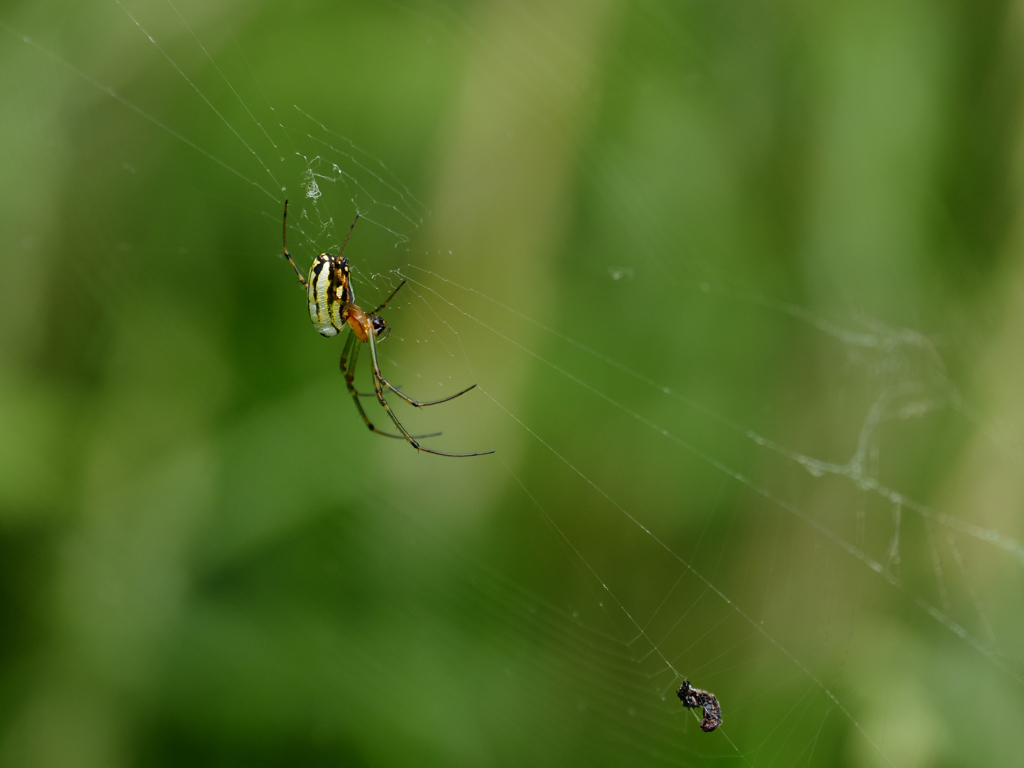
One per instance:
(201, 95)
(134, 108)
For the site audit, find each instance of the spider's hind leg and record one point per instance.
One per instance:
(284, 241)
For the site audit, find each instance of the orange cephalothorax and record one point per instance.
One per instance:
(358, 322)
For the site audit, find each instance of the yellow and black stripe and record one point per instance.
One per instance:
(329, 293)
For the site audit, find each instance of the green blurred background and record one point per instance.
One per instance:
(743, 289)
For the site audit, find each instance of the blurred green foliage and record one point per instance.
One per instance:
(742, 288)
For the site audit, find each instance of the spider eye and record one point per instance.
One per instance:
(380, 327)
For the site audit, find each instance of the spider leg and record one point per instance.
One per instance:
(377, 380)
(417, 403)
(392, 387)
(349, 372)
(351, 354)
(284, 241)
(348, 235)
(388, 299)
(349, 357)
(409, 400)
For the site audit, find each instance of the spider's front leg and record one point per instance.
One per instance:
(349, 358)
(379, 382)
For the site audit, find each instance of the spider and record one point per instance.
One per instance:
(695, 698)
(332, 306)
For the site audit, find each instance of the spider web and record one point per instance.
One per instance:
(788, 479)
